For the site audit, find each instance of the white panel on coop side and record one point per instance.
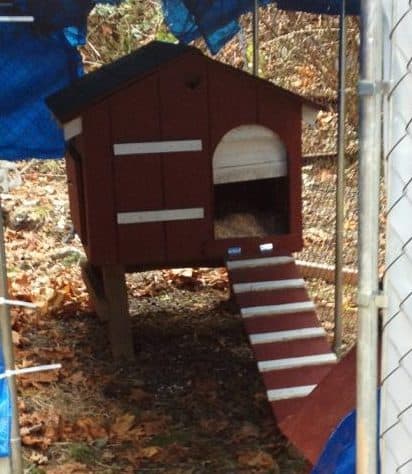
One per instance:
(249, 152)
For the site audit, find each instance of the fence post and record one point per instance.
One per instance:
(14, 464)
(340, 184)
(368, 288)
(255, 21)
(7, 345)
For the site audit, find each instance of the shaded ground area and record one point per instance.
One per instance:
(191, 403)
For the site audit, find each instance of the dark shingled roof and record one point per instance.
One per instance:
(69, 102)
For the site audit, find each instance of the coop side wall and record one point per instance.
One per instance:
(97, 173)
(74, 171)
(396, 384)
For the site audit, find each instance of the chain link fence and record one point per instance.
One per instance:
(396, 378)
(317, 259)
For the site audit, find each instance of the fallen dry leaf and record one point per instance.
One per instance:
(41, 429)
(150, 452)
(246, 431)
(76, 378)
(214, 425)
(138, 395)
(151, 428)
(175, 453)
(55, 354)
(122, 425)
(38, 458)
(37, 378)
(70, 468)
(256, 459)
(89, 429)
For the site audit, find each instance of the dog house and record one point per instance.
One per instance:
(177, 159)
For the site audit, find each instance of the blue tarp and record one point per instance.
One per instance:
(217, 20)
(32, 66)
(35, 61)
(339, 454)
(5, 413)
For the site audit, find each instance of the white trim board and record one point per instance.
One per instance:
(258, 262)
(249, 172)
(170, 146)
(162, 215)
(16, 19)
(291, 392)
(282, 336)
(73, 128)
(268, 285)
(270, 310)
(295, 362)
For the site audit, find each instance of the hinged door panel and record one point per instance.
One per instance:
(184, 106)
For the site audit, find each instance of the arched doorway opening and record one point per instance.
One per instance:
(250, 176)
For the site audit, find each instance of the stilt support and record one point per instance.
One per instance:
(108, 293)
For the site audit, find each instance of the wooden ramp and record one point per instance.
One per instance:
(289, 343)
(322, 411)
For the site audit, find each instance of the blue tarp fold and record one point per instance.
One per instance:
(35, 61)
(217, 20)
(31, 68)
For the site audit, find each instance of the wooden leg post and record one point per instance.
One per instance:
(93, 279)
(120, 330)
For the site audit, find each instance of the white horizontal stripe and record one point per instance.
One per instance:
(73, 128)
(156, 147)
(268, 285)
(164, 215)
(277, 309)
(16, 19)
(292, 335)
(232, 174)
(266, 247)
(258, 262)
(294, 362)
(290, 392)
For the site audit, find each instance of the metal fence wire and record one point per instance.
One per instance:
(317, 259)
(396, 378)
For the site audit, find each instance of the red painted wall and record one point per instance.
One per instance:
(192, 98)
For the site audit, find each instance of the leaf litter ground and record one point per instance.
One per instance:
(192, 402)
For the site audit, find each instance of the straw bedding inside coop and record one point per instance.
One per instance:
(251, 209)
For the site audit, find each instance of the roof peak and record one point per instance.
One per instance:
(68, 102)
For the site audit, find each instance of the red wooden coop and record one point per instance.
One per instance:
(175, 159)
